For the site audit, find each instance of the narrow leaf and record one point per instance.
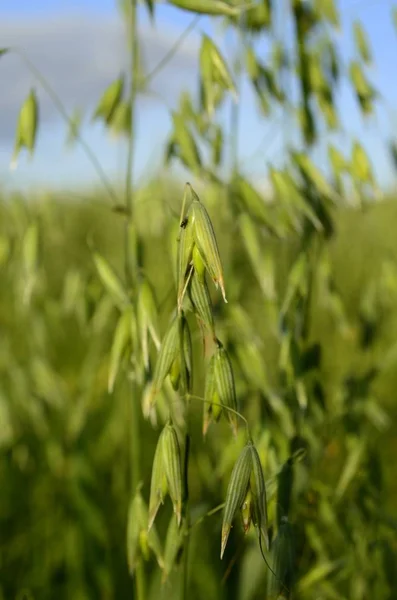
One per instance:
(74, 128)
(351, 466)
(26, 126)
(109, 101)
(147, 319)
(121, 338)
(207, 7)
(187, 147)
(110, 280)
(284, 490)
(282, 560)
(362, 42)
(174, 542)
(139, 540)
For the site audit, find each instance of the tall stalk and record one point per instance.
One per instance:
(235, 107)
(129, 201)
(130, 251)
(185, 578)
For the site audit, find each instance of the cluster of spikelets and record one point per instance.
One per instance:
(198, 254)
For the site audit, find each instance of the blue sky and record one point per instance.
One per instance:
(55, 28)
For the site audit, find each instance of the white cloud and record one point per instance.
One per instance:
(80, 55)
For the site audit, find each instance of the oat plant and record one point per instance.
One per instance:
(240, 401)
(198, 258)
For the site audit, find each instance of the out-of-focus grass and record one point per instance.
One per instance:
(64, 441)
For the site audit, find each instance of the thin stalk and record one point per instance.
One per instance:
(235, 412)
(131, 276)
(235, 109)
(211, 512)
(282, 37)
(129, 203)
(171, 52)
(185, 581)
(235, 119)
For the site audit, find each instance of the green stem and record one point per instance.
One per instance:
(129, 240)
(129, 204)
(63, 112)
(211, 512)
(235, 109)
(131, 267)
(185, 581)
(283, 81)
(235, 412)
(170, 54)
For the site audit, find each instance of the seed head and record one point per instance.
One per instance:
(168, 353)
(169, 358)
(159, 483)
(258, 489)
(197, 248)
(212, 412)
(166, 474)
(184, 333)
(220, 388)
(139, 540)
(282, 562)
(175, 373)
(236, 492)
(246, 492)
(173, 468)
(185, 251)
(198, 263)
(200, 298)
(247, 511)
(224, 381)
(205, 240)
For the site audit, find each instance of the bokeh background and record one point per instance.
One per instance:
(64, 439)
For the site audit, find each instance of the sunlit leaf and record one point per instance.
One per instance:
(110, 279)
(120, 121)
(215, 74)
(109, 101)
(351, 466)
(317, 574)
(208, 7)
(362, 42)
(185, 142)
(364, 90)
(27, 126)
(312, 174)
(258, 18)
(121, 338)
(360, 165)
(327, 10)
